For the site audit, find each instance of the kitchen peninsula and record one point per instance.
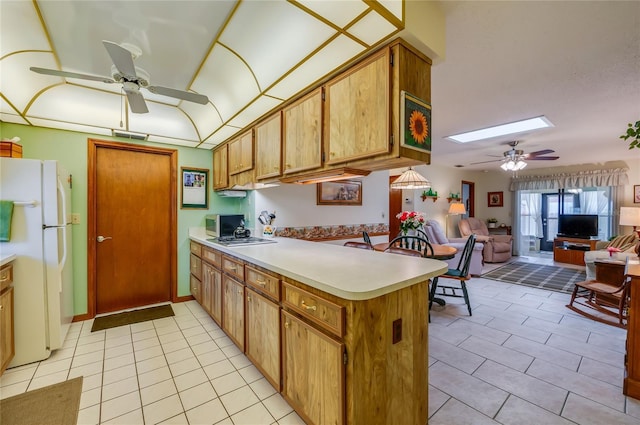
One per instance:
(340, 332)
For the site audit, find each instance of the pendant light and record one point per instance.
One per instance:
(410, 180)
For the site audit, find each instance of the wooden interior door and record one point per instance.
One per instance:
(132, 226)
(395, 207)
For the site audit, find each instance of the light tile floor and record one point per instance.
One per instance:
(522, 358)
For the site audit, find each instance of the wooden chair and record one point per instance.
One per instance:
(413, 243)
(367, 239)
(461, 273)
(607, 294)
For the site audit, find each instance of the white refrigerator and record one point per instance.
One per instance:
(41, 241)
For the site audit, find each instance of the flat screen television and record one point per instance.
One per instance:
(581, 226)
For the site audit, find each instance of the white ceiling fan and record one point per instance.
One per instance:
(130, 76)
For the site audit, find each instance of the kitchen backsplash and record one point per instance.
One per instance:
(332, 231)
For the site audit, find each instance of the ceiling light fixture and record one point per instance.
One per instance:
(502, 130)
(410, 180)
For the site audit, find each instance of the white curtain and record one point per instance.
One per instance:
(593, 178)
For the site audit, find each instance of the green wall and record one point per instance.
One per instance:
(70, 149)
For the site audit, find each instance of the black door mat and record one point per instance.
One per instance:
(129, 317)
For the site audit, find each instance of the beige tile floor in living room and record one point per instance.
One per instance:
(522, 358)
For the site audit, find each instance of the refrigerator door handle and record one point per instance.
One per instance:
(63, 203)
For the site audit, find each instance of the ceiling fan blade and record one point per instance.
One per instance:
(542, 158)
(542, 152)
(121, 58)
(66, 74)
(136, 102)
(484, 162)
(179, 94)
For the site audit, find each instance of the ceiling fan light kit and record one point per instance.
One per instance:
(130, 76)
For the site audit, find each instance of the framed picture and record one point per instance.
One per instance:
(636, 194)
(343, 192)
(495, 199)
(415, 123)
(195, 183)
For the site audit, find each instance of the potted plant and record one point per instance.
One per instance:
(633, 133)
(492, 222)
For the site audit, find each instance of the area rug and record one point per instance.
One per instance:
(56, 404)
(129, 317)
(554, 278)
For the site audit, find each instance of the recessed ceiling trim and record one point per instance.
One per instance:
(17, 52)
(244, 62)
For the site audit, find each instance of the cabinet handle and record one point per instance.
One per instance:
(240, 291)
(233, 268)
(261, 282)
(4, 277)
(308, 307)
(248, 298)
(1, 307)
(286, 325)
(332, 153)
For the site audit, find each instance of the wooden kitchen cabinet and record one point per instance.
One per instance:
(263, 335)
(313, 372)
(7, 341)
(269, 148)
(302, 133)
(631, 383)
(241, 153)
(220, 168)
(233, 310)
(206, 286)
(356, 117)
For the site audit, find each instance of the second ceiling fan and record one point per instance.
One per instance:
(131, 77)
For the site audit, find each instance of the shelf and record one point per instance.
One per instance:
(433, 198)
(453, 199)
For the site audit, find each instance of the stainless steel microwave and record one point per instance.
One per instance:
(220, 225)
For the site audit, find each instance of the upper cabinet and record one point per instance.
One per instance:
(302, 133)
(220, 170)
(357, 111)
(269, 147)
(241, 153)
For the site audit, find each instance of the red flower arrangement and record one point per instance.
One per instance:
(410, 220)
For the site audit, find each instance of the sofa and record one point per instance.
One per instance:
(497, 248)
(436, 235)
(625, 243)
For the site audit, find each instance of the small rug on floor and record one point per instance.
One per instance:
(129, 317)
(56, 404)
(555, 278)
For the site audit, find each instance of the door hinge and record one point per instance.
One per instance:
(322, 94)
(345, 358)
(322, 159)
(391, 59)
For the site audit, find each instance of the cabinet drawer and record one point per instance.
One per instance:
(320, 311)
(263, 282)
(212, 256)
(196, 248)
(195, 266)
(233, 267)
(6, 276)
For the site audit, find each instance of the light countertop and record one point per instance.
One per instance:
(6, 258)
(348, 273)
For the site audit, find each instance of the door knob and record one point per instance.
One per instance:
(102, 238)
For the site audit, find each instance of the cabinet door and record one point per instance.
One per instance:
(205, 286)
(357, 111)
(216, 295)
(195, 287)
(7, 346)
(302, 133)
(269, 147)
(220, 168)
(233, 310)
(313, 370)
(241, 153)
(263, 336)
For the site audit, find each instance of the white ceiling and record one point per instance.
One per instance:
(578, 63)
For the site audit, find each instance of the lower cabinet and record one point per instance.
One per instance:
(195, 287)
(233, 310)
(7, 345)
(313, 372)
(263, 335)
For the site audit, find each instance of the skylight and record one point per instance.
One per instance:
(502, 130)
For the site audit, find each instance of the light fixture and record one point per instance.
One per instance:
(456, 208)
(513, 164)
(630, 216)
(502, 130)
(410, 180)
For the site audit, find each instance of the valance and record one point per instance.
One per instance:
(592, 178)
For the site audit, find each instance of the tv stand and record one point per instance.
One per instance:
(571, 250)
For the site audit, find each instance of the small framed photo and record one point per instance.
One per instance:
(342, 192)
(415, 123)
(636, 194)
(195, 183)
(495, 199)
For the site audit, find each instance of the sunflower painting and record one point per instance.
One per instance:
(416, 123)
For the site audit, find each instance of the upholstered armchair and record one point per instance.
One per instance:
(497, 248)
(436, 235)
(625, 243)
